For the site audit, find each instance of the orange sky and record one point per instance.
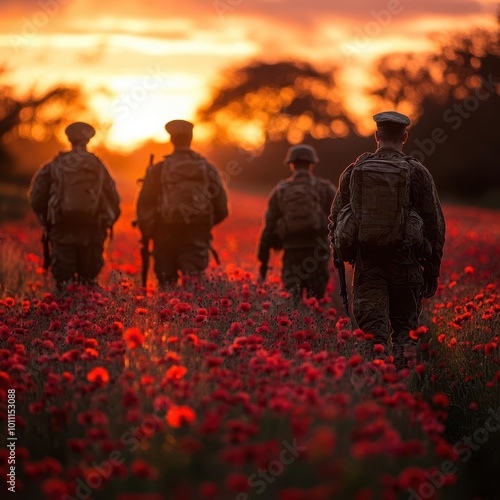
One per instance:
(146, 62)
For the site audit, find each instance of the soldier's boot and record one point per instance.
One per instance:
(167, 280)
(405, 356)
(296, 292)
(61, 286)
(91, 284)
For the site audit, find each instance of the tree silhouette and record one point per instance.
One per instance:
(453, 97)
(458, 66)
(34, 116)
(263, 102)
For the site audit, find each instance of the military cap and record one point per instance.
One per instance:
(391, 119)
(301, 152)
(179, 127)
(79, 131)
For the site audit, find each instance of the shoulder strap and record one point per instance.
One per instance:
(280, 188)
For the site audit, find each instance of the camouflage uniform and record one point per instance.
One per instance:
(77, 247)
(306, 255)
(387, 287)
(181, 246)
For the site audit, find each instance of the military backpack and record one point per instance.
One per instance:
(185, 195)
(299, 201)
(77, 188)
(379, 214)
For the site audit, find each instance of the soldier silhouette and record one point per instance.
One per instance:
(181, 200)
(76, 201)
(297, 221)
(386, 219)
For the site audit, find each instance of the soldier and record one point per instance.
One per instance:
(181, 200)
(76, 202)
(297, 221)
(388, 209)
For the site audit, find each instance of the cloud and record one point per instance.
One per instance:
(294, 11)
(107, 44)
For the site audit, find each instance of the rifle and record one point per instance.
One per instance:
(145, 252)
(264, 266)
(263, 271)
(215, 255)
(46, 248)
(340, 266)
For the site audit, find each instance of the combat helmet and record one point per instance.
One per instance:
(302, 152)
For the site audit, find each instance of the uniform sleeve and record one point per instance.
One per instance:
(341, 199)
(219, 200)
(329, 196)
(269, 239)
(430, 210)
(111, 196)
(39, 192)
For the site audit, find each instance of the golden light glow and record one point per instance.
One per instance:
(143, 63)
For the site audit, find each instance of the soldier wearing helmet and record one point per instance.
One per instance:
(302, 153)
(296, 221)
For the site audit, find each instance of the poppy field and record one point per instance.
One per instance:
(222, 389)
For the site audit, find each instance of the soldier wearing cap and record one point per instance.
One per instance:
(389, 283)
(296, 221)
(79, 133)
(76, 201)
(182, 199)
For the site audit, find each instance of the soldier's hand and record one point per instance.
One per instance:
(430, 286)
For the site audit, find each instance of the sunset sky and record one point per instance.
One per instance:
(146, 62)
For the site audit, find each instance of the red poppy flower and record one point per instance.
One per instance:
(441, 399)
(416, 334)
(322, 443)
(76, 445)
(412, 477)
(172, 357)
(355, 360)
(237, 482)
(4, 379)
(133, 337)
(99, 375)
(54, 488)
(142, 469)
(177, 416)
(182, 308)
(208, 489)
(176, 372)
(161, 403)
(117, 327)
(490, 347)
